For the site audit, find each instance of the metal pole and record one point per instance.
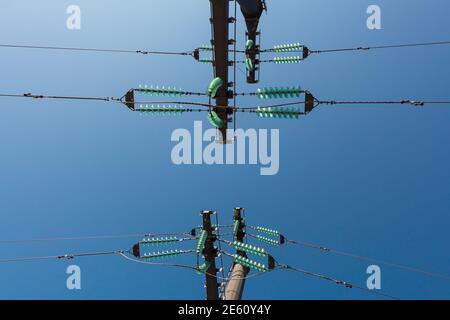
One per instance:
(220, 23)
(210, 253)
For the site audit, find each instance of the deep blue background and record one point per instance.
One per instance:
(373, 181)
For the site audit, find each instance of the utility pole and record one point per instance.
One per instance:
(236, 284)
(220, 20)
(210, 254)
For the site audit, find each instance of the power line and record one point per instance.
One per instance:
(328, 250)
(63, 257)
(338, 282)
(106, 237)
(393, 46)
(400, 102)
(143, 52)
(237, 242)
(34, 96)
(184, 266)
(368, 259)
(163, 264)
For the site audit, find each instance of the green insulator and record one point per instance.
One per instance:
(288, 47)
(161, 255)
(279, 92)
(206, 48)
(269, 241)
(157, 91)
(159, 241)
(250, 263)
(287, 60)
(203, 268)
(286, 113)
(249, 64)
(214, 87)
(250, 44)
(206, 60)
(161, 110)
(215, 120)
(236, 226)
(268, 231)
(249, 248)
(201, 242)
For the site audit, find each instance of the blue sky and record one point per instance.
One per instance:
(372, 181)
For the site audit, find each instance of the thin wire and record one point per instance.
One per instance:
(158, 263)
(338, 282)
(235, 109)
(185, 267)
(144, 52)
(61, 257)
(234, 67)
(372, 260)
(359, 257)
(393, 46)
(412, 102)
(383, 47)
(103, 99)
(33, 96)
(106, 237)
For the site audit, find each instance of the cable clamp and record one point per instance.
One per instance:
(66, 257)
(414, 103)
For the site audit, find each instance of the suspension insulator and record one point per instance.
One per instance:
(206, 48)
(161, 109)
(286, 113)
(214, 87)
(288, 47)
(164, 92)
(250, 44)
(249, 64)
(201, 242)
(279, 92)
(268, 231)
(236, 226)
(203, 268)
(249, 263)
(287, 60)
(215, 120)
(249, 248)
(159, 241)
(268, 240)
(162, 255)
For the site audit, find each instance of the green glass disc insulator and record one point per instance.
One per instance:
(250, 44)
(214, 87)
(249, 65)
(215, 120)
(203, 268)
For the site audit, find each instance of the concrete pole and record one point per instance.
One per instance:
(236, 284)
